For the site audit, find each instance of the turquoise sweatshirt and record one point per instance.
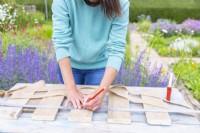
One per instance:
(87, 36)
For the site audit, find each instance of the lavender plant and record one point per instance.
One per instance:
(29, 65)
(141, 73)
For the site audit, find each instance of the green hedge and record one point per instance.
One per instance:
(178, 10)
(40, 6)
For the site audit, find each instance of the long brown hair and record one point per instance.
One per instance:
(111, 8)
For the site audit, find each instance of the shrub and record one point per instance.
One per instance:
(7, 17)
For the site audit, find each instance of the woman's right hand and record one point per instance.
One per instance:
(75, 97)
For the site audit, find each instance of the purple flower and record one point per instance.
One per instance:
(26, 65)
(29, 65)
(141, 74)
(189, 26)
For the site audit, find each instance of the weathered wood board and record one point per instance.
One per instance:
(48, 114)
(115, 101)
(15, 112)
(12, 112)
(81, 115)
(33, 102)
(156, 118)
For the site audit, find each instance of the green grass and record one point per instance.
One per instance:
(189, 73)
(45, 32)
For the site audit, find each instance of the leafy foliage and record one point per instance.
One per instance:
(189, 72)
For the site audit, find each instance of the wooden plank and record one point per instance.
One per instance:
(81, 115)
(26, 87)
(33, 102)
(27, 94)
(48, 114)
(118, 90)
(155, 118)
(154, 93)
(14, 112)
(31, 110)
(115, 101)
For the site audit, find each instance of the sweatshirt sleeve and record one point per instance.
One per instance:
(61, 38)
(117, 38)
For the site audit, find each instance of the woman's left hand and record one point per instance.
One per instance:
(95, 103)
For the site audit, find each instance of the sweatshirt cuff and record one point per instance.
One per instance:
(114, 62)
(62, 53)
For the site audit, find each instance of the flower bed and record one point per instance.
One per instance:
(169, 28)
(14, 17)
(175, 46)
(26, 65)
(29, 65)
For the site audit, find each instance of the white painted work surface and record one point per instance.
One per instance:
(180, 123)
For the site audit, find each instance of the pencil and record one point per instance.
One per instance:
(89, 99)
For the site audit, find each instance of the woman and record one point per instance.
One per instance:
(89, 38)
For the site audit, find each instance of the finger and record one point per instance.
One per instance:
(78, 103)
(86, 97)
(74, 104)
(90, 103)
(95, 108)
(81, 99)
(67, 103)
